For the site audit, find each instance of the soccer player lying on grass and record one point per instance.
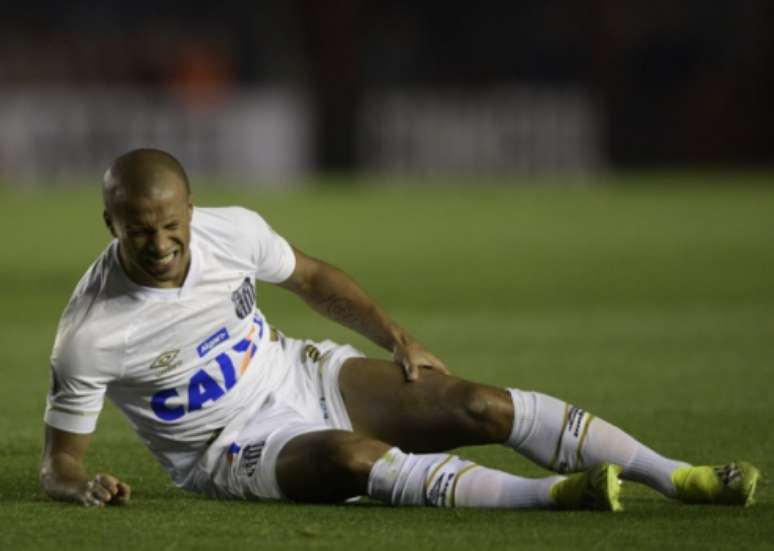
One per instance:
(165, 323)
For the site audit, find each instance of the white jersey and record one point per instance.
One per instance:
(179, 363)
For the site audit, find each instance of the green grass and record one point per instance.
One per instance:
(652, 306)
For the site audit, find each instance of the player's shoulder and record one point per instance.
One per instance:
(240, 238)
(233, 218)
(231, 227)
(93, 284)
(83, 323)
(233, 214)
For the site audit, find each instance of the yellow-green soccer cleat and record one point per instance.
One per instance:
(732, 484)
(598, 489)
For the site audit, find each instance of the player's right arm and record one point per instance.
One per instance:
(64, 477)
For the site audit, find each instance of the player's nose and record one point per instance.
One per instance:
(160, 244)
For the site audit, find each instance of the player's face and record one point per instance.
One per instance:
(154, 234)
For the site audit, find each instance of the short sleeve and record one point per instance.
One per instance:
(75, 396)
(271, 254)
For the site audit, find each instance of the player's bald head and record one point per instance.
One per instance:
(144, 173)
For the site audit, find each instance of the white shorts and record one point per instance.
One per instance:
(308, 400)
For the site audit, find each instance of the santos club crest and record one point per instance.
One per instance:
(244, 298)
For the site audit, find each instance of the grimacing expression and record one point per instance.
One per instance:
(154, 234)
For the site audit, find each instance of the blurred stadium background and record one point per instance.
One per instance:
(270, 93)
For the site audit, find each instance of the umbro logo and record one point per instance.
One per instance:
(167, 361)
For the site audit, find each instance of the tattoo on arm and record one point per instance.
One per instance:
(346, 312)
(336, 296)
(340, 309)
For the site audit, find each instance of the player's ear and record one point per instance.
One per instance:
(190, 207)
(109, 223)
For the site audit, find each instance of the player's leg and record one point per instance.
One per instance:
(436, 413)
(333, 465)
(440, 412)
(327, 466)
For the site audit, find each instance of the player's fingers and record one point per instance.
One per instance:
(429, 361)
(410, 371)
(110, 483)
(123, 495)
(101, 493)
(440, 368)
(89, 500)
(438, 365)
(95, 495)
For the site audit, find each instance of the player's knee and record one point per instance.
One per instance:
(485, 410)
(475, 402)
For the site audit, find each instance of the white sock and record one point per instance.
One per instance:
(444, 480)
(565, 438)
(482, 487)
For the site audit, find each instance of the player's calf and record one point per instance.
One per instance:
(330, 466)
(327, 466)
(566, 438)
(444, 480)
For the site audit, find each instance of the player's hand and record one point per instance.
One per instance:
(412, 356)
(105, 489)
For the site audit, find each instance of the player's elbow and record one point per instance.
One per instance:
(320, 277)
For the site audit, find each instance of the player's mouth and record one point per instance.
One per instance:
(161, 264)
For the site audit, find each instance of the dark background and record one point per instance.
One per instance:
(679, 83)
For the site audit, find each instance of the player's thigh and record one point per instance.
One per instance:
(434, 413)
(327, 466)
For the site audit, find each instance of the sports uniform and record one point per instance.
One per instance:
(208, 385)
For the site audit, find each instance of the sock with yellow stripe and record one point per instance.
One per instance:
(565, 438)
(444, 480)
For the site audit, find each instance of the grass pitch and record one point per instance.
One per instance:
(651, 306)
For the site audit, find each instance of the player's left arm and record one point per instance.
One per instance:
(337, 296)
